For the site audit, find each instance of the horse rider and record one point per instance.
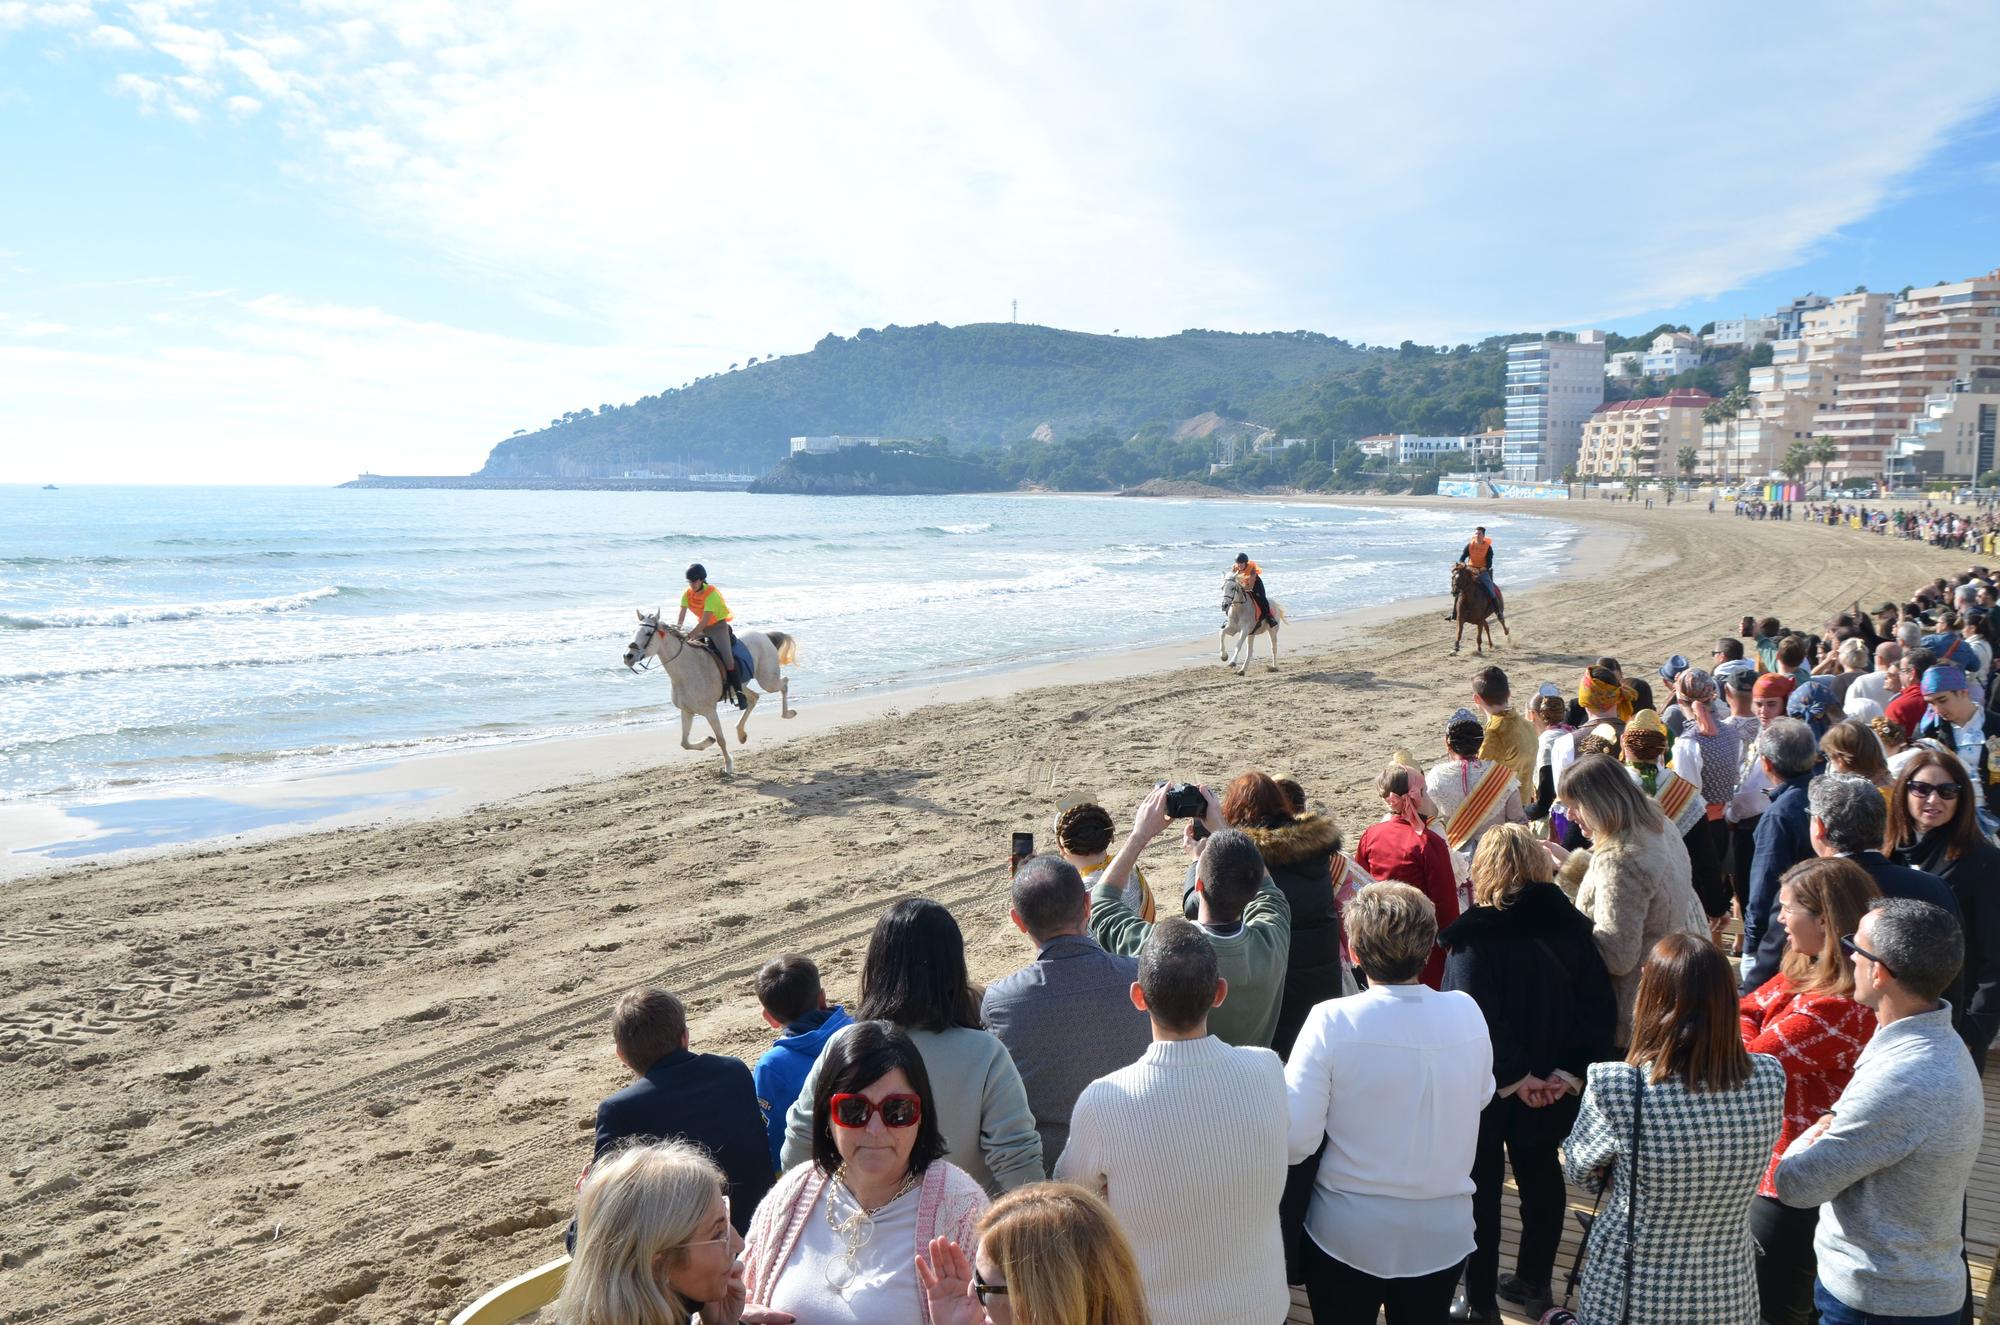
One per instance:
(1251, 577)
(712, 622)
(1478, 554)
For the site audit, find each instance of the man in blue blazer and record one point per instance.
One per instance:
(704, 1098)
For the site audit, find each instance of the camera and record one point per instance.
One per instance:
(1185, 801)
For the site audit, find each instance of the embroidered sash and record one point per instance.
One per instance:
(1473, 812)
(1679, 800)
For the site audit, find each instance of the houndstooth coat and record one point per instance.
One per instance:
(1700, 1157)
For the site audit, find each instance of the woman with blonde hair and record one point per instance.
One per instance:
(1807, 1018)
(1639, 887)
(654, 1245)
(1853, 748)
(1049, 1254)
(1526, 956)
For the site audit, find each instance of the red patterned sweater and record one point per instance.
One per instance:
(1817, 1037)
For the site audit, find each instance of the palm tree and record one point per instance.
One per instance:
(1688, 458)
(1823, 453)
(1797, 459)
(1711, 415)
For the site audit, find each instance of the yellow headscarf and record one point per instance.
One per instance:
(1601, 695)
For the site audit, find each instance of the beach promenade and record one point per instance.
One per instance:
(349, 1076)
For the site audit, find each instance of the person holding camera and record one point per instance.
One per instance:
(1244, 915)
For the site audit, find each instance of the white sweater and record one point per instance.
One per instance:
(1188, 1146)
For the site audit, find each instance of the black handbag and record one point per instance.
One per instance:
(1561, 1314)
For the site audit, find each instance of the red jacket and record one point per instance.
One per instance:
(1817, 1037)
(1906, 708)
(1392, 849)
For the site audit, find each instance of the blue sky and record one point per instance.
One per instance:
(285, 245)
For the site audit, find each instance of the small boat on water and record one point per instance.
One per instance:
(48, 487)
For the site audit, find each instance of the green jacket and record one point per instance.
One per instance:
(1252, 959)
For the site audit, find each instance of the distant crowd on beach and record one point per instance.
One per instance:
(1718, 941)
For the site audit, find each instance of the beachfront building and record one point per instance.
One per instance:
(1934, 336)
(1481, 450)
(837, 442)
(1745, 333)
(1552, 386)
(1955, 435)
(1790, 318)
(1672, 352)
(1381, 445)
(1642, 437)
(1790, 396)
(1625, 363)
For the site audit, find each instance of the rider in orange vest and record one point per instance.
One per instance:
(712, 619)
(1478, 554)
(1251, 577)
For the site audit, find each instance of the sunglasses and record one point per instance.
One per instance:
(1853, 949)
(854, 1111)
(1944, 791)
(982, 1290)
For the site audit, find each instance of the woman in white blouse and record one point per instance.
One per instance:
(1394, 1078)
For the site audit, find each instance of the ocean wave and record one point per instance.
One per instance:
(978, 528)
(147, 613)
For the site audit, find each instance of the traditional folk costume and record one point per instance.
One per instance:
(1680, 800)
(1472, 795)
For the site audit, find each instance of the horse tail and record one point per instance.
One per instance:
(787, 647)
(1277, 610)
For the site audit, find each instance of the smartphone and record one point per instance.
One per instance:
(1022, 847)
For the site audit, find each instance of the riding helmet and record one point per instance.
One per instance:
(1242, 558)
(697, 573)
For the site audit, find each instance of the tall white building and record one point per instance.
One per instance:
(1552, 386)
(1956, 435)
(1933, 337)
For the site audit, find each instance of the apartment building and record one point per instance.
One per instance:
(1743, 332)
(1791, 317)
(1955, 435)
(1672, 352)
(1552, 386)
(1933, 337)
(1790, 397)
(1642, 437)
(1625, 363)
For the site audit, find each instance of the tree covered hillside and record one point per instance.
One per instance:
(974, 385)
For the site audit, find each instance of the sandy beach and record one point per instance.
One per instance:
(349, 1075)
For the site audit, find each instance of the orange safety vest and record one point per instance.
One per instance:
(1479, 553)
(710, 609)
(1248, 573)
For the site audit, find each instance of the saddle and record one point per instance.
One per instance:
(745, 667)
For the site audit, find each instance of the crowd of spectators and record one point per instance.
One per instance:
(1721, 943)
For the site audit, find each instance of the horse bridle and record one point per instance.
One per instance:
(654, 629)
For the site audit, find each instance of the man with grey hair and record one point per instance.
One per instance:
(1846, 819)
(1879, 686)
(1891, 1162)
(1785, 755)
(1066, 1017)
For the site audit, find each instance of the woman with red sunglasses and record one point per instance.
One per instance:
(837, 1239)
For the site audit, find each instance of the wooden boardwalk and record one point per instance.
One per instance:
(1982, 1232)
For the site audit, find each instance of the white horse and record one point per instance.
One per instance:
(1241, 610)
(697, 678)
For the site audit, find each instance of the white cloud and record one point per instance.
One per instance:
(697, 185)
(114, 38)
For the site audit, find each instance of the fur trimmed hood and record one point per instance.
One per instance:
(1306, 838)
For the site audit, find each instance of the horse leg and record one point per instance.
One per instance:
(687, 724)
(785, 709)
(1274, 646)
(750, 698)
(715, 725)
(1459, 642)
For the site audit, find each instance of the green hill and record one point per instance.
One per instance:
(976, 385)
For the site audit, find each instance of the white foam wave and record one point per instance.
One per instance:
(151, 612)
(979, 527)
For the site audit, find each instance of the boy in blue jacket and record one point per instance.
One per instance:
(794, 1005)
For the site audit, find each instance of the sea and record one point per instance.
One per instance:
(174, 637)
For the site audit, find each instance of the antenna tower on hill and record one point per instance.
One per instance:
(1016, 315)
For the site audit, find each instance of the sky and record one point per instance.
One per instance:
(286, 245)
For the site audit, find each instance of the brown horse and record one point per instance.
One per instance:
(1474, 605)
